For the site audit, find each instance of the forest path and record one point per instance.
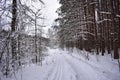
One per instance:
(62, 69)
(68, 67)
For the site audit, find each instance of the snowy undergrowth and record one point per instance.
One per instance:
(31, 71)
(104, 64)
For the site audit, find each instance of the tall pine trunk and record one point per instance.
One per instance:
(13, 28)
(115, 40)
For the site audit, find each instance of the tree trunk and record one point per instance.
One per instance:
(13, 28)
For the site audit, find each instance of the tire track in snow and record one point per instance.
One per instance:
(80, 74)
(49, 72)
(62, 70)
(77, 76)
(59, 71)
(55, 73)
(71, 75)
(52, 70)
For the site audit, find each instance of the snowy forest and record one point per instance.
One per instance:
(90, 25)
(82, 43)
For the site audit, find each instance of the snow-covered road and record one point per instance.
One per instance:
(68, 67)
(62, 69)
(62, 66)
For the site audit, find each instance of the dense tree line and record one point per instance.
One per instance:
(93, 25)
(15, 17)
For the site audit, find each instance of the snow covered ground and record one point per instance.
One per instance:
(65, 65)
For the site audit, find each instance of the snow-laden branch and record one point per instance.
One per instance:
(92, 3)
(118, 15)
(103, 12)
(103, 20)
(86, 32)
